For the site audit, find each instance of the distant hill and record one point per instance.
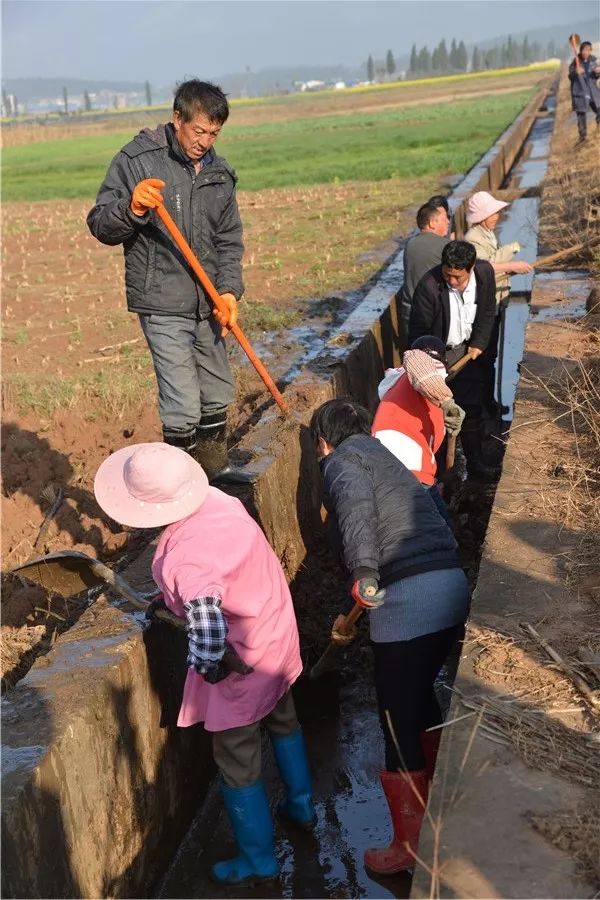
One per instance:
(557, 33)
(277, 79)
(28, 89)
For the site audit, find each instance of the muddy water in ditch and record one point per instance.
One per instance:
(338, 713)
(344, 745)
(520, 223)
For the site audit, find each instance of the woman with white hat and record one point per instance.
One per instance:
(217, 571)
(483, 214)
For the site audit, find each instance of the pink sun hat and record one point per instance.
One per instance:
(481, 205)
(148, 485)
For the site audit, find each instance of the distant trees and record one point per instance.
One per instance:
(510, 53)
(414, 59)
(148, 90)
(424, 60)
(390, 63)
(87, 103)
(370, 68)
(66, 101)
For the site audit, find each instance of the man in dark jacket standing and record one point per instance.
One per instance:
(456, 302)
(584, 73)
(176, 165)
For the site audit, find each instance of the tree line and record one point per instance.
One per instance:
(510, 53)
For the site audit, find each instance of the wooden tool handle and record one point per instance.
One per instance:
(218, 302)
(352, 617)
(456, 368)
(450, 451)
(565, 254)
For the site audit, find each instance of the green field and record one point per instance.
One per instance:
(398, 142)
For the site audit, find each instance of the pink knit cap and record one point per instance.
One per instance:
(481, 205)
(148, 485)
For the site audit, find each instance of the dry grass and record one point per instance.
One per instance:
(541, 741)
(570, 208)
(574, 394)
(512, 662)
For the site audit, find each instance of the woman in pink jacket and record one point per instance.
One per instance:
(217, 570)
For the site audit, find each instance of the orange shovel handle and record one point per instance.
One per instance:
(219, 303)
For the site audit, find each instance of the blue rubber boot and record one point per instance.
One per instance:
(250, 816)
(292, 762)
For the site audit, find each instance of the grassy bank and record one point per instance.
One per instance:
(363, 146)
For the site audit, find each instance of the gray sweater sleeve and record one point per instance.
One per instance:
(111, 220)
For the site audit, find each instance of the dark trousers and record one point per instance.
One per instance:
(237, 751)
(468, 389)
(405, 672)
(582, 118)
(489, 357)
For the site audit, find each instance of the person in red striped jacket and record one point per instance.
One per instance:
(417, 409)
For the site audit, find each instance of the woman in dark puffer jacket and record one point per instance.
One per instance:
(401, 558)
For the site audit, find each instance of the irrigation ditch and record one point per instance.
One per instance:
(102, 794)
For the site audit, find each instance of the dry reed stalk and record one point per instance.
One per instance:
(542, 742)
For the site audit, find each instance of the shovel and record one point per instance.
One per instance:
(68, 572)
(327, 660)
(219, 303)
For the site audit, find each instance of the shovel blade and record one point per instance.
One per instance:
(67, 572)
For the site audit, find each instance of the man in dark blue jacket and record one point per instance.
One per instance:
(175, 164)
(584, 73)
(402, 560)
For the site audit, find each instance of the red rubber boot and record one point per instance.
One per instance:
(406, 794)
(430, 742)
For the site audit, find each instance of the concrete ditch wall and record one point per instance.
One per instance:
(98, 784)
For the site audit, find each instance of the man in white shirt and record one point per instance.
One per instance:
(456, 302)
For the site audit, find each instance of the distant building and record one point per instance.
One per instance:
(309, 85)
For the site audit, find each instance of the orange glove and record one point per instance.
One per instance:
(226, 321)
(146, 195)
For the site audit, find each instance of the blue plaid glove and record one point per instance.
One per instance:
(207, 631)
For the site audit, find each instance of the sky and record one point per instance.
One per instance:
(163, 40)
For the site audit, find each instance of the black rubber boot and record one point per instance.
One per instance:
(470, 438)
(211, 452)
(581, 127)
(184, 438)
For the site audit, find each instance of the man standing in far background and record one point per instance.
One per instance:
(584, 73)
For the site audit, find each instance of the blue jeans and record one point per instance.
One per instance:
(191, 366)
